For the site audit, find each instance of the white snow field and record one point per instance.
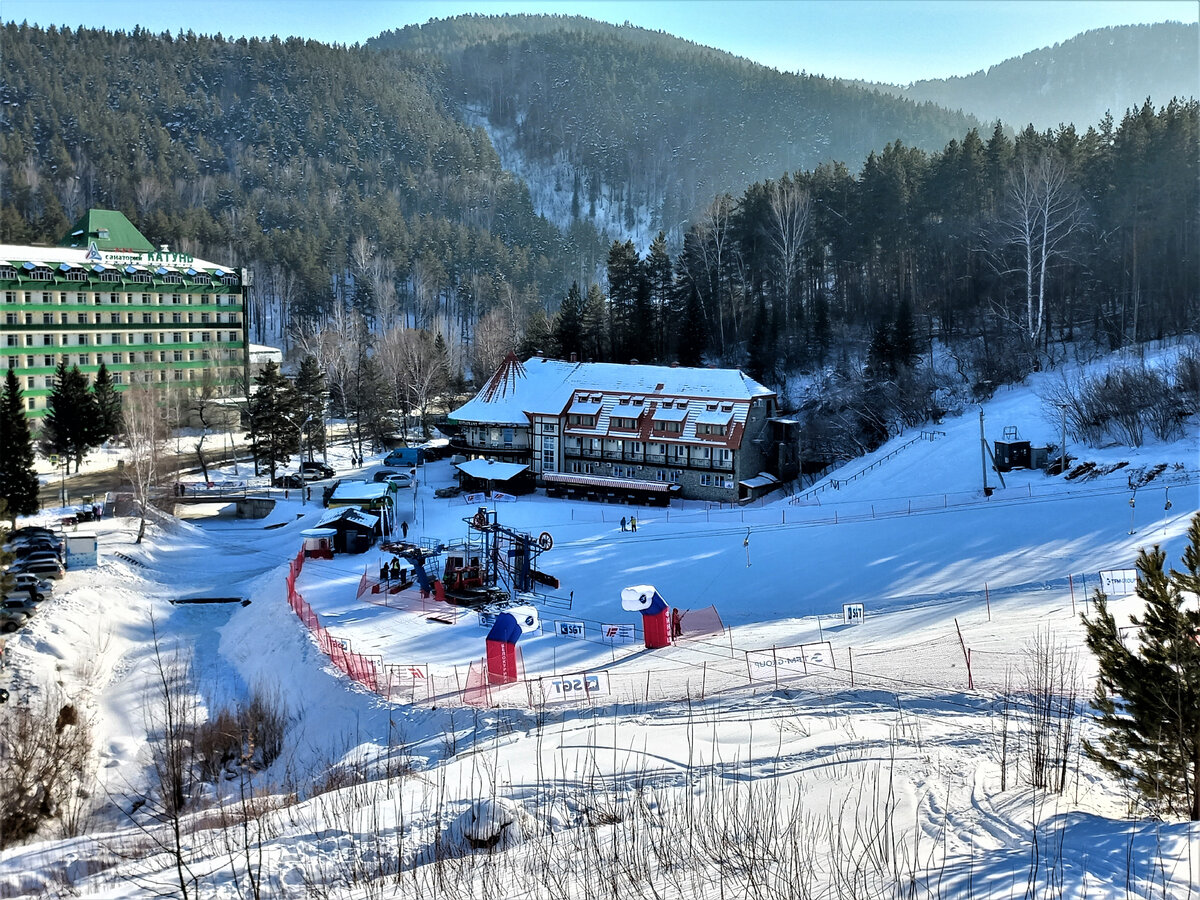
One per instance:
(790, 755)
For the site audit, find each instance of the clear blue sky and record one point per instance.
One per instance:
(897, 41)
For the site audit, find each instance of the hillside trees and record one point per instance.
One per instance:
(1148, 695)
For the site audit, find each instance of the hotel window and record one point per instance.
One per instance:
(11, 319)
(10, 340)
(10, 296)
(177, 337)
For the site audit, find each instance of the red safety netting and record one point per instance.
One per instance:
(359, 667)
(701, 623)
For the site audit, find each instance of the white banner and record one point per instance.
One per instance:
(474, 499)
(578, 686)
(569, 629)
(1118, 582)
(853, 614)
(619, 634)
(503, 498)
(764, 665)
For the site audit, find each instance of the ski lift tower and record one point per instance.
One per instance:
(508, 556)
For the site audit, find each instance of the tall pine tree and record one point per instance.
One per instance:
(108, 404)
(274, 419)
(568, 324)
(18, 480)
(72, 425)
(1149, 695)
(310, 393)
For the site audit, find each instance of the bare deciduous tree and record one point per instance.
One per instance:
(1042, 211)
(788, 206)
(145, 431)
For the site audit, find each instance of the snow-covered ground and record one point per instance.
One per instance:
(714, 765)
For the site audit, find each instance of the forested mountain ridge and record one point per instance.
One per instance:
(648, 128)
(335, 172)
(1076, 81)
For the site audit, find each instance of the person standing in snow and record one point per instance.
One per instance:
(622, 523)
(676, 622)
(633, 523)
(404, 530)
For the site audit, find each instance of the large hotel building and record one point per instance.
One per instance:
(105, 294)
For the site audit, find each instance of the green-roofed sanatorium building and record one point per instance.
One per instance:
(106, 294)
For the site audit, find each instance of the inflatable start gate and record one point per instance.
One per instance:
(502, 642)
(644, 598)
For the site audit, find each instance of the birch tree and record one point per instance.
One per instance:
(788, 206)
(1042, 212)
(145, 430)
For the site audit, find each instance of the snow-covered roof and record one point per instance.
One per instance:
(713, 417)
(762, 479)
(579, 408)
(358, 491)
(75, 257)
(490, 470)
(604, 481)
(547, 386)
(670, 415)
(348, 514)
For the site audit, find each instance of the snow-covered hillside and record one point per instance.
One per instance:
(790, 755)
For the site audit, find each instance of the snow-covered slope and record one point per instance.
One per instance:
(791, 752)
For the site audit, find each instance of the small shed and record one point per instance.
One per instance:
(1012, 455)
(489, 475)
(753, 488)
(354, 529)
(318, 542)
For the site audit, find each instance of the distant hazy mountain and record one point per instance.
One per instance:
(635, 130)
(1077, 81)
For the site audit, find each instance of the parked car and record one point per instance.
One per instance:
(35, 543)
(290, 480)
(29, 531)
(400, 479)
(315, 471)
(38, 588)
(41, 556)
(11, 621)
(384, 474)
(25, 551)
(46, 568)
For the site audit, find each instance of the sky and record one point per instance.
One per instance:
(899, 41)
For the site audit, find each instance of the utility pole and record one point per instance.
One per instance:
(987, 491)
(1062, 466)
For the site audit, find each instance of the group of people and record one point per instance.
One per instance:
(390, 571)
(632, 523)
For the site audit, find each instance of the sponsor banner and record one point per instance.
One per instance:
(578, 686)
(474, 499)
(764, 664)
(569, 629)
(853, 613)
(409, 671)
(1118, 582)
(503, 498)
(487, 619)
(618, 634)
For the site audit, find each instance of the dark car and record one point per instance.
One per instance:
(37, 548)
(315, 471)
(291, 480)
